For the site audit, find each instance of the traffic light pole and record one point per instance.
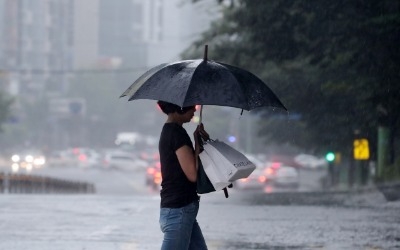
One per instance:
(330, 158)
(331, 170)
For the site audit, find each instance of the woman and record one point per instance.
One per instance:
(179, 199)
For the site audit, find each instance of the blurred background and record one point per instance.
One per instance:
(334, 65)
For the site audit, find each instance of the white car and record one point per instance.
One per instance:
(122, 161)
(256, 180)
(286, 176)
(310, 161)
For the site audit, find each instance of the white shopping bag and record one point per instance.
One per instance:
(216, 178)
(227, 163)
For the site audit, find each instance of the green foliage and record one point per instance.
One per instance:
(390, 173)
(336, 63)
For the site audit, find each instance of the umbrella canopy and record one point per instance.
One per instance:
(203, 82)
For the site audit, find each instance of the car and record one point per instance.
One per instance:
(75, 157)
(283, 159)
(284, 176)
(150, 155)
(153, 175)
(122, 161)
(62, 158)
(256, 180)
(310, 161)
(86, 157)
(27, 161)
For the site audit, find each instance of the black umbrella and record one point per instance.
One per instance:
(204, 82)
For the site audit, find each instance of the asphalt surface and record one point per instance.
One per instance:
(123, 215)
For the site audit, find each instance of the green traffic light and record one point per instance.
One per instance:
(330, 156)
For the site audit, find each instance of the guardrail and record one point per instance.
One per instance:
(31, 184)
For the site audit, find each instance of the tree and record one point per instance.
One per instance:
(336, 63)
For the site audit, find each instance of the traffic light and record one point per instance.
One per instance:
(330, 156)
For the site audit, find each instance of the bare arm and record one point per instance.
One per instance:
(187, 161)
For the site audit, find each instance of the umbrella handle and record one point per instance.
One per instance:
(201, 121)
(201, 114)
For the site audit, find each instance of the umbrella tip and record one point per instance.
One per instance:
(205, 52)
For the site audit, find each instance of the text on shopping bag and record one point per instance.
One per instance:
(231, 164)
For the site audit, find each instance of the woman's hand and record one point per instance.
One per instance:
(200, 131)
(199, 135)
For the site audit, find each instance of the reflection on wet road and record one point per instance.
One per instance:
(124, 216)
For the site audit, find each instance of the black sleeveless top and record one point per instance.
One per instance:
(177, 191)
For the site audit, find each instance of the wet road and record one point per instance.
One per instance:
(124, 216)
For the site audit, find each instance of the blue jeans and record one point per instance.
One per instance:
(180, 228)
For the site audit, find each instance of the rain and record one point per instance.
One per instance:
(79, 154)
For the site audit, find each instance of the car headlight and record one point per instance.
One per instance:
(15, 167)
(29, 158)
(39, 161)
(29, 167)
(15, 158)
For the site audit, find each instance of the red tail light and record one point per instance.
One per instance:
(269, 171)
(151, 171)
(82, 157)
(275, 165)
(157, 178)
(75, 151)
(262, 179)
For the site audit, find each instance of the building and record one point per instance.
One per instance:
(36, 44)
(144, 33)
(46, 44)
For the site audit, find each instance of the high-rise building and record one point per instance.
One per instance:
(36, 43)
(86, 33)
(144, 33)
